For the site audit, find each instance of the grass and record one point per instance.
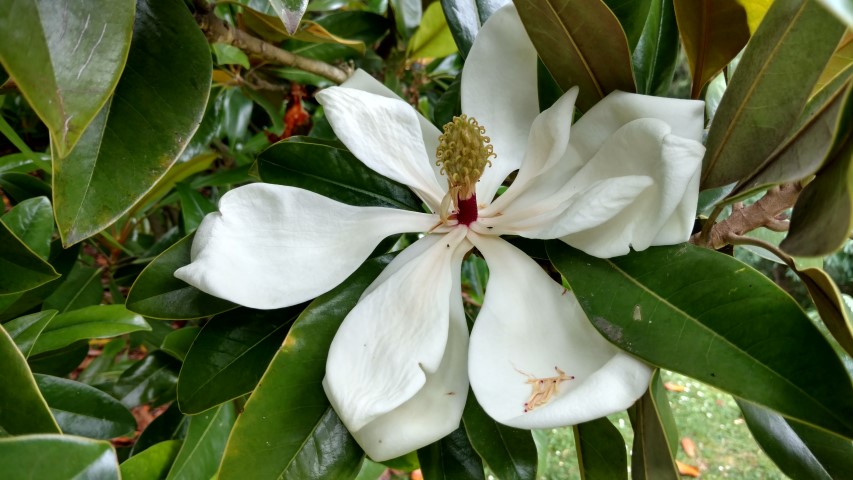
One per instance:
(707, 416)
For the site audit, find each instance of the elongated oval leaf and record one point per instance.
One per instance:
(656, 54)
(83, 410)
(330, 170)
(601, 450)
(709, 316)
(156, 293)
(81, 288)
(32, 222)
(230, 355)
(66, 59)
(22, 407)
(594, 52)
(57, 457)
(138, 135)
(655, 435)
(783, 61)
(154, 462)
(288, 414)
(451, 458)
(98, 321)
(465, 18)
(830, 305)
(203, 446)
(433, 38)
(26, 330)
(632, 16)
(150, 380)
(22, 268)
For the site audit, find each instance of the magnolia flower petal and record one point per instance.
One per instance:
(436, 409)
(528, 326)
(362, 80)
(499, 90)
(385, 134)
(396, 336)
(272, 246)
(685, 117)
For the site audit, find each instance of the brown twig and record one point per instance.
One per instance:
(217, 30)
(763, 213)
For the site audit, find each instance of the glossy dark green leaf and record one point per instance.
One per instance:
(655, 435)
(601, 450)
(104, 364)
(22, 268)
(65, 60)
(57, 457)
(594, 53)
(178, 343)
(32, 222)
(632, 16)
(449, 105)
(26, 330)
(61, 362)
(509, 452)
(465, 19)
(142, 129)
(24, 162)
(83, 410)
(156, 293)
(98, 321)
(230, 355)
(81, 288)
(798, 450)
(22, 407)
(150, 380)
(330, 170)
(169, 425)
(738, 338)
(451, 458)
(783, 60)
(21, 186)
(62, 260)
(205, 441)
(656, 54)
(152, 464)
(288, 416)
(193, 207)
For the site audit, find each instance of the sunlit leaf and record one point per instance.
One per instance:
(432, 39)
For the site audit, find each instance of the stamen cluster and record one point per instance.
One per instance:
(463, 153)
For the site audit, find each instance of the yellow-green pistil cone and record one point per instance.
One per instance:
(463, 154)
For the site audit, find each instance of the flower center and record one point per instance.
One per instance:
(463, 153)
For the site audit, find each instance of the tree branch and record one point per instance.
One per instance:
(217, 30)
(762, 213)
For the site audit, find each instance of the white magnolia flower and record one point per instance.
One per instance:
(398, 369)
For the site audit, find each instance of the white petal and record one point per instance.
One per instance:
(385, 134)
(685, 118)
(362, 80)
(392, 354)
(272, 246)
(435, 411)
(530, 325)
(499, 90)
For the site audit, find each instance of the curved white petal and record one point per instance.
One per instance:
(393, 354)
(499, 90)
(385, 134)
(272, 246)
(362, 80)
(685, 117)
(528, 326)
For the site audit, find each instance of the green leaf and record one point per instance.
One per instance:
(601, 450)
(330, 170)
(465, 19)
(594, 53)
(157, 294)
(24, 162)
(830, 305)
(783, 60)
(22, 268)
(22, 407)
(65, 60)
(104, 364)
(142, 130)
(713, 32)
(432, 39)
(20, 186)
(509, 452)
(178, 343)
(169, 425)
(26, 330)
(32, 222)
(449, 105)
(290, 12)
(738, 338)
(177, 173)
(823, 215)
(656, 53)
(153, 463)
(841, 9)
(288, 415)
(150, 380)
(60, 362)
(57, 457)
(81, 288)
(230, 355)
(202, 449)
(194, 207)
(451, 458)
(230, 55)
(98, 321)
(632, 16)
(83, 410)
(655, 435)
(800, 451)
